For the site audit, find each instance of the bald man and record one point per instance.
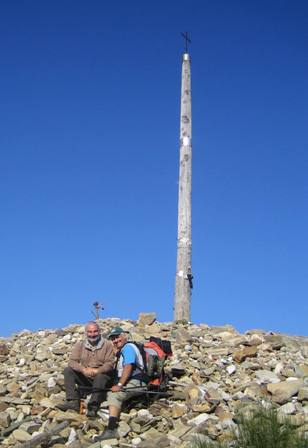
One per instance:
(90, 365)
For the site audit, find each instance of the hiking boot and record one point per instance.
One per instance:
(69, 405)
(92, 411)
(108, 434)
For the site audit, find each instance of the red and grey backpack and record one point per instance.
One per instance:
(154, 353)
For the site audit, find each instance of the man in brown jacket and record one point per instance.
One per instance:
(90, 365)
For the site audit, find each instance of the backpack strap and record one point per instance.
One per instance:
(141, 362)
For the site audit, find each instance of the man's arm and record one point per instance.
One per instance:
(74, 361)
(107, 358)
(127, 371)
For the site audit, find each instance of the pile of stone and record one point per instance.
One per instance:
(215, 372)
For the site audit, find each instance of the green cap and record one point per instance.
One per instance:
(116, 331)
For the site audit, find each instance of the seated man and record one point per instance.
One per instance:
(130, 375)
(90, 365)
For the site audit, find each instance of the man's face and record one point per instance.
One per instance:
(92, 332)
(118, 341)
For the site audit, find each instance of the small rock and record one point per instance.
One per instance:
(213, 395)
(287, 409)
(72, 436)
(13, 387)
(194, 395)
(196, 421)
(247, 352)
(303, 370)
(47, 403)
(255, 339)
(4, 350)
(179, 430)
(266, 376)
(279, 367)
(203, 407)
(231, 369)
(42, 355)
(124, 429)
(5, 419)
(51, 382)
(178, 410)
(297, 419)
(303, 394)
(146, 318)
(3, 390)
(225, 335)
(276, 341)
(21, 436)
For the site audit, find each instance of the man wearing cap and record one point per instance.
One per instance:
(130, 379)
(90, 365)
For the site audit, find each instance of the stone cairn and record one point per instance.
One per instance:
(221, 372)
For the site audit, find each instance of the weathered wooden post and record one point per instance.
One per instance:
(183, 279)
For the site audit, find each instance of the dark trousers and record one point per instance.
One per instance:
(73, 378)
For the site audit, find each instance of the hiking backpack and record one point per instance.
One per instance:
(154, 354)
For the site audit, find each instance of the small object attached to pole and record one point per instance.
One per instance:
(190, 279)
(187, 39)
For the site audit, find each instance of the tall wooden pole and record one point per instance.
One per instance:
(183, 279)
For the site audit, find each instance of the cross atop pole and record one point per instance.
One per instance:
(186, 37)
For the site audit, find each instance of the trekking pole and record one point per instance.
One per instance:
(141, 388)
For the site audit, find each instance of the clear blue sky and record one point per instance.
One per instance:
(89, 142)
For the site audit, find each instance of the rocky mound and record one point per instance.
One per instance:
(225, 371)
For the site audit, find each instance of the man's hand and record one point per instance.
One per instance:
(126, 374)
(116, 388)
(89, 372)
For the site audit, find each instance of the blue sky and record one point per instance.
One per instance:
(89, 150)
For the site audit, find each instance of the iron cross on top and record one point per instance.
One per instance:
(186, 37)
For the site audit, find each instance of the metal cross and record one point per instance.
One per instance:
(185, 35)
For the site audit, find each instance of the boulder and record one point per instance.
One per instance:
(283, 391)
(146, 318)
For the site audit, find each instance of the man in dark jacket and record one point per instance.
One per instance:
(90, 365)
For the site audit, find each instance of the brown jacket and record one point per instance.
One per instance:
(100, 357)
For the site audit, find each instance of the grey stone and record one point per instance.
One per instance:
(266, 376)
